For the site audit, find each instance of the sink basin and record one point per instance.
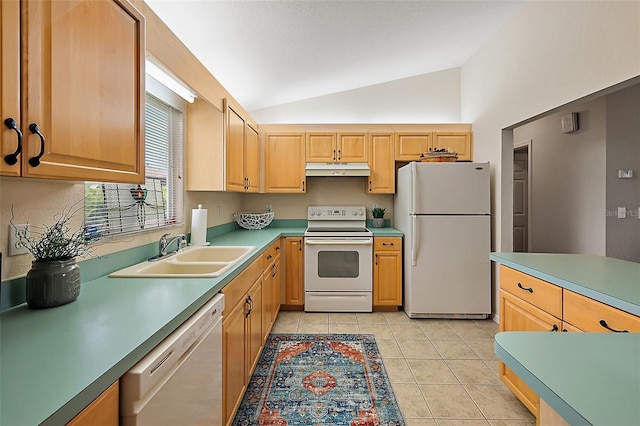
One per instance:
(214, 253)
(193, 262)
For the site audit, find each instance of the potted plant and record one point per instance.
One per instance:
(54, 277)
(378, 216)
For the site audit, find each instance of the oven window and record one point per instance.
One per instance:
(338, 264)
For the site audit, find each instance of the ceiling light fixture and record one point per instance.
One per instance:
(171, 82)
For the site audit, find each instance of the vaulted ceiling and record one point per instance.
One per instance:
(267, 53)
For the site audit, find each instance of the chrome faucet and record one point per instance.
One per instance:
(164, 243)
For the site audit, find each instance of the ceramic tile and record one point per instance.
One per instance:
(468, 329)
(485, 348)
(344, 328)
(438, 330)
(399, 371)
(388, 348)
(397, 317)
(289, 316)
(498, 402)
(420, 422)
(473, 371)
(462, 422)
(450, 401)
(371, 318)
(420, 349)
(410, 400)
(432, 371)
(512, 422)
(380, 331)
(494, 366)
(407, 331)
(284, 327)
(314, 318)
(343, 318)
(453, 349)
(310, 328)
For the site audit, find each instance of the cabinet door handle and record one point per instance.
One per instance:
(334, 155)
(605, 325)
(554, 328)
(300, 245)
(376, 258)
(12, 159)
(339, 155)
(529, 289)
(249, 302)
(35, 129)
(302, 186)
(275, 270)
(370, 186)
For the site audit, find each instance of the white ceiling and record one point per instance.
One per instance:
(267, 53)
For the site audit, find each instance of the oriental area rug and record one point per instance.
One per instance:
(319, 379)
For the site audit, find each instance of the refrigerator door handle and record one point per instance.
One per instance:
(414, 188)
(414, 241)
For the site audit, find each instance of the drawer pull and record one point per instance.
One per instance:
(554, 328)
(387, 244)
(269, 257)
(529, 289)
(605, 325)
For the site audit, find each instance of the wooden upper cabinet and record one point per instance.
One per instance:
(382, 164)
(321, 148)
(352, 148)
(83, 85)
(336, 147)
(252, 159)
(459, 142)
(409, 145)
(204, 150)
(9, 84)
(284, 163)
(234, 152)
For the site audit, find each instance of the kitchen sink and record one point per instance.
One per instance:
(192, 262)
(213, 253)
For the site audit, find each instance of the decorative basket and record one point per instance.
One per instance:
(438, 156)
(250, 220)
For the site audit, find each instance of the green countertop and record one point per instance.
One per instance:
(54, 362)
(611, 281)
(588, 378)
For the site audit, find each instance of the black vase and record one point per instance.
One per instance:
(52, 283)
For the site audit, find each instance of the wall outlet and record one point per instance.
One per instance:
(15, 248)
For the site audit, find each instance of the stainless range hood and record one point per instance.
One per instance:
(337, 169)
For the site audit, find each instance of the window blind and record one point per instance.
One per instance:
(112, 208)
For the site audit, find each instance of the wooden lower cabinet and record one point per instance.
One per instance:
(294, 273)
(103, 411)
(241, 335)
(518, 315)
(387, 272)
(271, 288)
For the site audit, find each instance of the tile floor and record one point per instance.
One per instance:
(443, 372)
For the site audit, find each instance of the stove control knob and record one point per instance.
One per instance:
(361, 212)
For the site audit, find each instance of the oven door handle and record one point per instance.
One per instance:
(338, 243)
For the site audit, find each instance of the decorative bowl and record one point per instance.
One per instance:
(253, 220)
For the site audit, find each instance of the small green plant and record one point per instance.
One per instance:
(54, 242)
(378, 212)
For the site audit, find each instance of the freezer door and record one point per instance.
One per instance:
(450, 188)
(447, 269)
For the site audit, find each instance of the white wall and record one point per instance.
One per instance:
(568, 181)
(428, 98)
(547, 55)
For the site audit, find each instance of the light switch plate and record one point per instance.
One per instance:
(15, 248)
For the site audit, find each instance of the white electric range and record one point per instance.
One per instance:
(338, 256)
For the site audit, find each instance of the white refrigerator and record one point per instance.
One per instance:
(443, 210)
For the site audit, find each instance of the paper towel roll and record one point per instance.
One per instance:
(199, 226)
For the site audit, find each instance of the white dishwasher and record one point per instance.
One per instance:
(180, 381)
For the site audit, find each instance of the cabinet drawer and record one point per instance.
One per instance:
(270, 254)
(545, 296)
(236, 289)
(387, 244)
(587, 315)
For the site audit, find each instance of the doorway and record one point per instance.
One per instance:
(521, 196)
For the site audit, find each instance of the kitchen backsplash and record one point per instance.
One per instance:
(37, 201)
